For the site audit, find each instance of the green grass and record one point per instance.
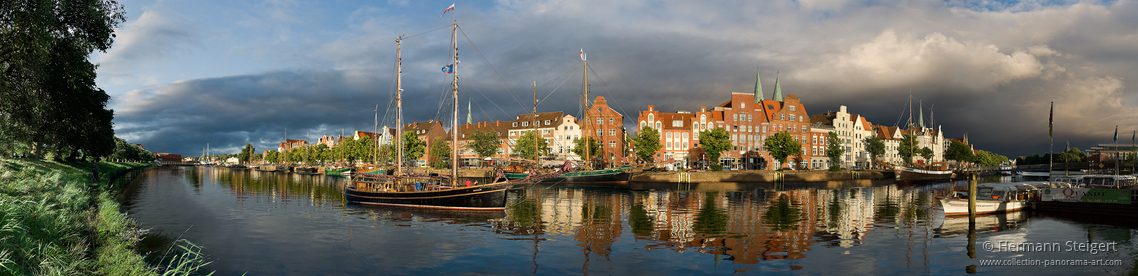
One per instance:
(55, 221)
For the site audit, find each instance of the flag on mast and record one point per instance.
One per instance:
(449, 69)
(451, 8)
(1051, 120)
(1116, 133)
(582, 54)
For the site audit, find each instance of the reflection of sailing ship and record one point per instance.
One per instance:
(953, 226)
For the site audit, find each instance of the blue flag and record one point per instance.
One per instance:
(449, 69)
(1115, 133)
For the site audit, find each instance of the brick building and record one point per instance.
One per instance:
(607, 126)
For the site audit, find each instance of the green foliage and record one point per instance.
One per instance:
(579, 147)
(782, 145)
(246, 152)
(959, 151)
(834, 150)
(875, 147)
(716, 167)
(783, 215)
(835, 167)
(646, 143)
(321, 153)
(524, 147)
(926, 153)
(907, 149)
(714, 142)
(990, 159)
(484, 143)
(1071, 155)
(49, 101)
(440, 153)
(130, 152)
(642, 223)
(413, 148)
(54, 222)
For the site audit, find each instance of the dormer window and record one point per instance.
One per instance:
(792, 108)
(515, 124)
(525, 123)
(547, 122)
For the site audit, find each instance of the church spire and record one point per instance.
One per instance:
(468, 120)
(921, 115)
(758, 88)
(777, 88)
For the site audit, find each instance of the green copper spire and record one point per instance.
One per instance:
(758, 88)
(921, 115)
(777, 88)
(468, 120)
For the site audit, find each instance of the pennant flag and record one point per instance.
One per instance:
(451, 8)
(1115, 133)
(449, 69)
(1050, 120)
(582, 54)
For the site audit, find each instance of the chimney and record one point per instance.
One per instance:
(650, 107)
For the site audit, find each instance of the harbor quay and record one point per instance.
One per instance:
(758, 176)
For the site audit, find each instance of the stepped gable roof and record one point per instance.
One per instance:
(865, 124)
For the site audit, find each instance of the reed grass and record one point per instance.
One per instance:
(55, 221)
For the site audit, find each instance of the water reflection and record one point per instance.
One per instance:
(248, 220)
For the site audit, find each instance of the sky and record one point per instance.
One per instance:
(186, 73)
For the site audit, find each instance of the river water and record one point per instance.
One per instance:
(286, 224)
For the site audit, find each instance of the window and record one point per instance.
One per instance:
(547, 122)
(764, 129)
(515, 124)
(792, 108)
(770, 106)
(743, 105)
(800, 118)
(658, 126)
(525, 123)
(668, 145)
(600, 132)
(643, 124)
(782, 116)
(612, 144)
(612, 132)
(600, 121)
(685, 135)
(734, 117)
(792, 117)
(703, 126)
(703, 118)
(677, 123)
(650, 117)
(748, 117)
(610, 121)
(685, 145)
(734, 137)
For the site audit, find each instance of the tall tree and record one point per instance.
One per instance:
(875, 147)
(714, 142)
(413, 148)
(834, 151)
(781, 145)
(484, 143)
(579, 147)
(959, 151)
(927, 154)
(524, 147)
(440, 153)
(246, 152)
(908, 148)
(48, 96)
(646, 143)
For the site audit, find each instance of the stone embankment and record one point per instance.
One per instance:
(758, 176)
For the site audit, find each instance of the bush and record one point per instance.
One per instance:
(834, 168)
(716, 167)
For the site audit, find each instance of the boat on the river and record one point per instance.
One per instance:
(925, 173)
(996, 197)
(426, 191)
(606, 176)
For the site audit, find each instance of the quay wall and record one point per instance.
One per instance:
(757, 176)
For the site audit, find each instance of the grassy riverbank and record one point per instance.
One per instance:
(55, 221)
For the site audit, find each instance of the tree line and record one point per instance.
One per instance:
(49, 102)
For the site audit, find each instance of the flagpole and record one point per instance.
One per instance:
(1051, 150)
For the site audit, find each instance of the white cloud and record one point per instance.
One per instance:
(895, 60)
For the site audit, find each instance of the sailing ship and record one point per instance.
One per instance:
(426, 192)
(590, 174)
(913, 171)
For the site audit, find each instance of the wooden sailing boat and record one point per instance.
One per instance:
(427, 192)
(913, 172)
(589, 174)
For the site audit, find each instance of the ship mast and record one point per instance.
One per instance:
(587, 146)
(536, 153)
(399, 106)
(454, 106)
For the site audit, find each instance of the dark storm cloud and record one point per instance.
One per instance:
(985, 71)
